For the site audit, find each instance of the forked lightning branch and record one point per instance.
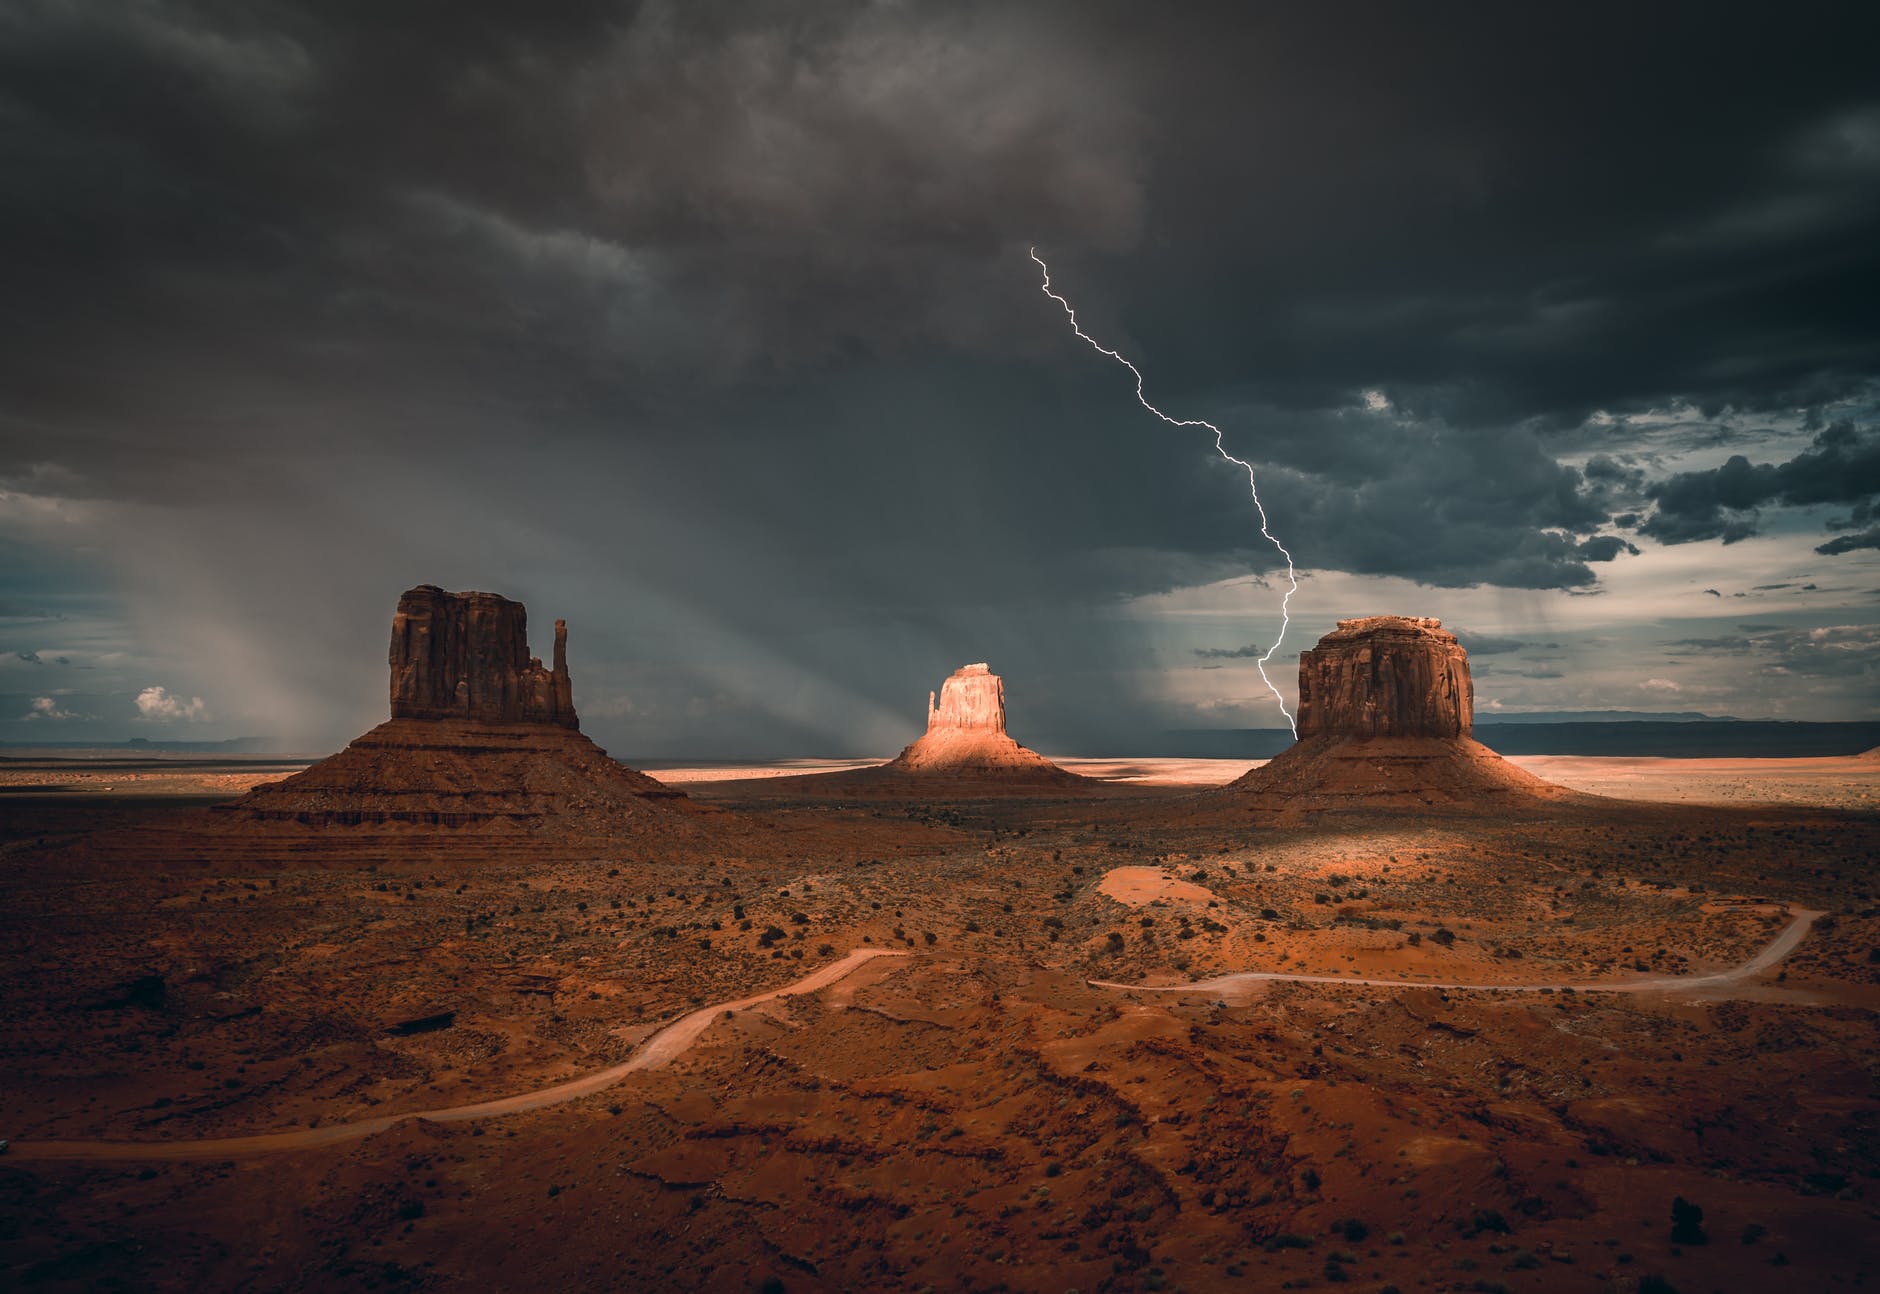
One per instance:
(1292, 577)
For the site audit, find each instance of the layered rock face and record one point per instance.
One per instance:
(1385, 711)
(1386, 676)
(466, 656)
(972, 699)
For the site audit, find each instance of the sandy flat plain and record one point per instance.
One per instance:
(1838, 782)
(1155, 1038)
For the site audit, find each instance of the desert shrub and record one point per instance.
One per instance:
(1444, 936)
(1488, 1220)
(1687, 1223)
(1114, 941)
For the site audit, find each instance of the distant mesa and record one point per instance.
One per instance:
(964, 754)
(966, 733)
(1386, 707)
(482, 739)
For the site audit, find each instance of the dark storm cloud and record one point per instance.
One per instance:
(1252, 651)
(1487, 644)
(1387, 495)
(1828, 651)
(1849, 543)
(1841, 466)
(1549, 250)
(721, 311)
(835, 172)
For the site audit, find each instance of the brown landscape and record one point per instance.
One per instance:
(471, 1004)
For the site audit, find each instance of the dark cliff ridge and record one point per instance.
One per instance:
(465, 656)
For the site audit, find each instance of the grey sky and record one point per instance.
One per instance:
(710, 327)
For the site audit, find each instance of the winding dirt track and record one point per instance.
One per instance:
(672, 1041)
(660, 1049)
(1779, 947)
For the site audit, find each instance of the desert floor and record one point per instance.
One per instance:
(982, 1109)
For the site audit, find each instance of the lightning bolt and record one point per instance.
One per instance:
(1253, 486)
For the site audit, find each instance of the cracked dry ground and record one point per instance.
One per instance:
(973, 1115)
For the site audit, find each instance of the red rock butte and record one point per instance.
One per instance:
(966, 731)
(466, 656)
(966, 737)
(483, 744)
(1386, 707)
(1386, 676)
(965, 753)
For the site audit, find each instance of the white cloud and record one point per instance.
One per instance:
(156, 705)
(48, 708)
(1661, 685)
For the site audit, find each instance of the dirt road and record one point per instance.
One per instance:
(1781, 946)
(660, 1049)
(672, 1041)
